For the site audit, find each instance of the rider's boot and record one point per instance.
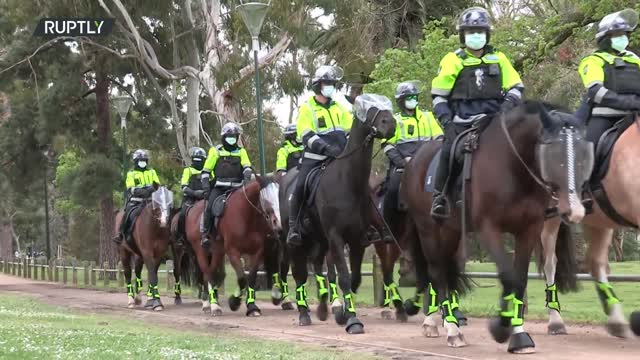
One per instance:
(293, 237)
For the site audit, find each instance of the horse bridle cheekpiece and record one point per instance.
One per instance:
(365, 102)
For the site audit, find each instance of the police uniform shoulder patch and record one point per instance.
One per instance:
(585, 70)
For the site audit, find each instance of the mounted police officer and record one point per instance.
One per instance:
(290, 152)
(413, 128)
(473, 82)
(322, 127)
(611, 75)
(141, 182)
(192, 189)
(230, 166)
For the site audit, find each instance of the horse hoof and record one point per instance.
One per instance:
(131, 306)
(457, 341)
(339, 316)
(287, 305)
(500, 333)
(430, 331)
(304, 319)
(322, 312)
(462, 320)
(556, 329)
(137, 300)
(253, 310)
(216, 310)
(276, 297)
(354, 326)
(635, 322)
(149, 303)
(620, 330)
(177, 301)
(521, 343)
(158, 308)
(410, 308)
(234, 303)
(401, 316)
(275, 301)
(386, 314)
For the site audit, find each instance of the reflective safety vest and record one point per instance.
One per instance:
(288, 156)
(227, 166)
(191, 177)
(421, 127)
(139, 179)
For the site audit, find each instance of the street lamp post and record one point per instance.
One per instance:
(122, 105)
(253, 14)
(46, 206)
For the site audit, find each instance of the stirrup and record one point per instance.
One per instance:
(294, 238)
(439, 207)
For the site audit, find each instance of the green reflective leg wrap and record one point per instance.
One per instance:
(387, 296)
(213, 296)
(395, 295)
(334, 291)
(507, 309)
(552, 297)
(518, 312)
(130, 290)
(454, 300)
(418, 300)
(447, 312)
(138, 285)
(607, 296)
(149, 292)
(276, 280)
(285, 289)
(350, 302)
(155, 292)
(322, 285)
(177, 289)
(301, 295)
(433, 302)
(251, 295)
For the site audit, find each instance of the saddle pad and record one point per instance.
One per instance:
(311, 185)
(429, 180)
(217, 208)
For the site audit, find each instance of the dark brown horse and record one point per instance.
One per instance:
(248, 227)
(513, 180)
(151, 238)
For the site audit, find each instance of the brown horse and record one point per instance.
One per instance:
(151, 238)
(507, 194)
(248, 227)
(622, 186)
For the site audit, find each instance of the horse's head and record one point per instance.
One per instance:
(566, 161)
(270, 202)
(375, 112)
(162, 200)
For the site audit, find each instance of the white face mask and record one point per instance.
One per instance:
(411, 104)
(620, 43)
(328, 90)
(231, 140)
(142, 164)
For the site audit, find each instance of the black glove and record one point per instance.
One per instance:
(332, 151)
(199, 194)
(148, 190)
(507, 105)
(398, 161)
(187, 191)
(206, 185)
(246, 174)
(446, 120)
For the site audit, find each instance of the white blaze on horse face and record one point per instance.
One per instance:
(269, 197)
(577, 210)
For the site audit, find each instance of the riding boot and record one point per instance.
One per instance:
(293, 237)
(440, 205)
(206, 228)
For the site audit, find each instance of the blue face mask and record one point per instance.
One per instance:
(142, 164)
(231, 140)
(620, 43)
(475, 41)
(411, 104)
(328, 90)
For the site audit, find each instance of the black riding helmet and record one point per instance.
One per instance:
(621, 21)
(326, 74)
(290, 132)
(405, 89)
(230, 129)
(198, 157)
(139, 156)
(474, 18)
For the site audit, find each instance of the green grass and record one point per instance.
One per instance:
(31, 330)
(582, 306)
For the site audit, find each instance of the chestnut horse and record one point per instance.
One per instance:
(519, 167)
(151, 238)
(622, 186)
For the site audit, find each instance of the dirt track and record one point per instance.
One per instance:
(385, 338)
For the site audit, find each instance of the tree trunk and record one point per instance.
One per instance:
(6, 248)
(618, 241)
(103, 116)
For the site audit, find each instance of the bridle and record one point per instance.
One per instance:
(373, 131)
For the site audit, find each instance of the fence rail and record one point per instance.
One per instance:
(91, 273)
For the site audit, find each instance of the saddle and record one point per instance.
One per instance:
(604, 150)
(131, 214)
(220, 203)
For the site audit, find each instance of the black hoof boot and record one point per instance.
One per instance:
(276, 301)
(157, 305)
(499, 330)
(635, 322)
(149, 303)
(521, 343)
(340, 316)
(234, 303)
(410, 308)
(401, 313)
(304, 318)
(287, 305)
(462, 320)
(177, 300)
(354, 326)
(253, 310)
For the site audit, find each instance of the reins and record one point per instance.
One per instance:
(373, 131)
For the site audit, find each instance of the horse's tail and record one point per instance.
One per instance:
(189, 274)
(567, 267)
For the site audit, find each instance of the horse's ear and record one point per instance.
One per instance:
(263, 180)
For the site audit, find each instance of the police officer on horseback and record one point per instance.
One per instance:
(290, 152)
(230, 166)
(611, 76)
(473, 82)
(141, 182)
(192, 189)
(322, 126)
(413, 128)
